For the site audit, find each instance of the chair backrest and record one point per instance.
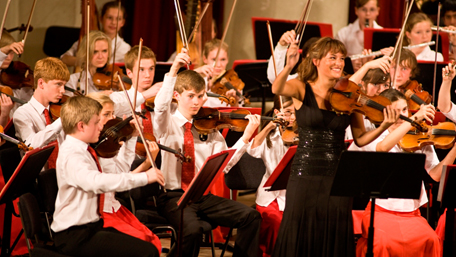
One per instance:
(30, 215)
(47, 184)
(59, 39)
(246, 174)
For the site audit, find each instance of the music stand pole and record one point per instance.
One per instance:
(370, 235)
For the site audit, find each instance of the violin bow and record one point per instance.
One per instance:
(190, 38)
(87, 48)
(304, 22)
(138, 63)
(399, 42)
(141, 133)
(181, 26)
(224, 34)
(268, 25)
(4, 18)
(436, 52)
(115, 45)
(29, 22)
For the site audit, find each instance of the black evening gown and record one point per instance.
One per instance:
(314, 223)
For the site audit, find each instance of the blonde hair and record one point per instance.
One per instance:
(6, 39)
(76, 109)
(214, 44)
(131, 57)
(307, 71)
(94, 36)
(101, 97)
(50, 68)
(412, 21)
(188, 80)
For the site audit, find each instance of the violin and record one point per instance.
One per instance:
(346, 97)
(104, 79)
(17, 75)
(290, 136)
(227, 81)
(208, 120)
(114, 131)
(54, 108)
(441, 136)
(229, 100)
(21, 145)
(415, 95)
(150, 103)
(141, 151)
(9, 92)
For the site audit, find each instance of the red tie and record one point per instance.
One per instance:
(147, 123)
(101, 197)
(188, 168)
(53, 157)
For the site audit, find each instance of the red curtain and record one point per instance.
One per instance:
(391, 12)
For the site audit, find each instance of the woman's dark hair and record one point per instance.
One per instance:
(393, 95)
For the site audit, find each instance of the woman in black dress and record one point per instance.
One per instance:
(315, 223)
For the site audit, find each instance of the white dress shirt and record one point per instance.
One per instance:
(405, 205)
(271, 158)
(30, 124)
(452, 113)
(121, 103)
(2, 57)
(169, 130)
(429, 55)
(368, 125)
(80, 182)
(80, 78)
(353, 37)
(280, 54)
(122, 48)
(121, 163)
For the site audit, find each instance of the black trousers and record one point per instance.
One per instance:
(93, 240)
(215, 210)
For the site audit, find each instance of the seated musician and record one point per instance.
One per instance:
(33, 122)
(211, 73)
(145, 89)
(418, 31)
(400, 230)
(109, 17)
(269, 146)
(176, 131)
(407, 69)
(9, 47)
(99, 53)
(82, 182)
(114, 214)
(352, 35)
(373, 83)
(449, 21)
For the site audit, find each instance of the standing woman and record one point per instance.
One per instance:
(315, 223)
(108, 22)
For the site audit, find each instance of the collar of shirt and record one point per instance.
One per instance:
(180, 119)
(358, 28)
(76, 143)
(37, 105)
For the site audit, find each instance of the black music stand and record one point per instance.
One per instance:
(213, 165)
(447, 197)
(371, 174)
(161, 68)
(425, 77)
(257, 85)
(279, 177)
(21, 182)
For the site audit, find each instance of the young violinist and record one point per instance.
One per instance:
(110, 15)
(408, 65)
(373, 83)
(116, 215)
(270, 147)
(176, 131)
(146, 72)
(315, 223)
(33, 122)
(211, 73)
(418, 31)
(99, 53)
(78, 225)
(400, 230)
(448, 108)
(8, 48)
